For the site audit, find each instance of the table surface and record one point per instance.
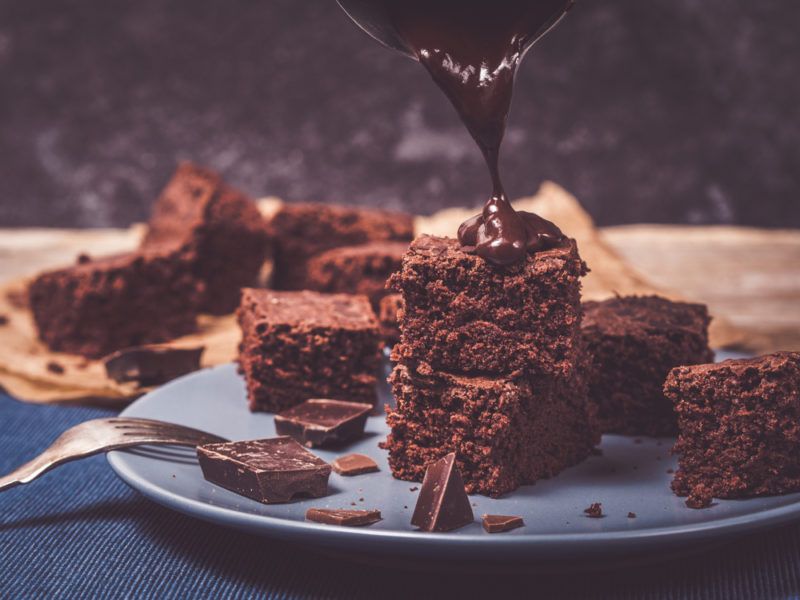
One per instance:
(80, 532)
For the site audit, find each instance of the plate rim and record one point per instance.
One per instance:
(567, 544)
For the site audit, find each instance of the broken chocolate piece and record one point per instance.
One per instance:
(344, 517)
(152, 365)
(443, 503)
(595, 511)
(320, 422)
(354, 464)
(501, 523)
(271, 470)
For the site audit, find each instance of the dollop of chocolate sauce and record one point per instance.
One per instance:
(472, 49)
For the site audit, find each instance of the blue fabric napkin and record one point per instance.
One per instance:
(79, 532)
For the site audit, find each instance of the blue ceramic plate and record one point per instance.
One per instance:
(630, 476)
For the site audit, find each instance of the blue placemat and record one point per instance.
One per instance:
(79, 532)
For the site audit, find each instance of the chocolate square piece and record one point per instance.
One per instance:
(464, 315)
(151, 365)
(634, 342)
(738, 422)
(354, 464)
(303, 230)
(361, 269)
(344, 517)
(442, 504)
(320, 422)
(218, 225)
(98, 306)
(301, 345)
(270, 470)
(501, 523)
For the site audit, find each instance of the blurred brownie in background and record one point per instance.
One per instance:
(303, 230)
(739, 433)
(301, 345)
(389, 317)
(101, 305)
(361, 269)
(635, 341)
(219, 228)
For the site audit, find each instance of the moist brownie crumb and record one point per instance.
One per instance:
(106, 304)
(303, 230)
(388, 316)
(738, 426)
(219, 227)
(631, 515)
(55, 367)
(700, 497)
(595, 511)
(300, 345)
(463, 315)
(634, 342)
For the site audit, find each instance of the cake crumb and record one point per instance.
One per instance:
(631, 515)
(595, 511)
(413, 489)
(700, 497)
(55, 367)
(670, 471)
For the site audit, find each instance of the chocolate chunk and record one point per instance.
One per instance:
(354, 464)
(271, 470)
(500, 523)
(55, 367)
(595, 511)
(152, 365)
(345, 517)
(323, 422)
(3, 320)
(442, 504)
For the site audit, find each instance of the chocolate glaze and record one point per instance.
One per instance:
(472, 50)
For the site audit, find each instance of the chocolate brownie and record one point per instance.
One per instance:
(634, 342)
(303, 230)
(506, 431)
(301, 345)
(361, 269)
(738, 421)
(98, 306)
(219, 226)
(463, 314)
(388, 317)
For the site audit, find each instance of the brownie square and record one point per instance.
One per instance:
(361, 269)
(301, 345)
(98, 306)
(218, 225)
(635, 341)
(506, 430)
(303, 230)
(739, 424)
(463, 314)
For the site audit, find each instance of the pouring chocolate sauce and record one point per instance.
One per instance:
(472, 49)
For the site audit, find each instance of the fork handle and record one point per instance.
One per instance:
(30, 471)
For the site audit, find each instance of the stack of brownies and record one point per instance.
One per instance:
(490, 365)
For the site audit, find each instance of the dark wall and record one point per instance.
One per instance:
(664, 110)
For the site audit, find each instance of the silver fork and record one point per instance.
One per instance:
(102, 435)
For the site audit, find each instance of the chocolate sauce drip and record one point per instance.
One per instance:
(472, 49)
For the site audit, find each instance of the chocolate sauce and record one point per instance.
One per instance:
(472, 49)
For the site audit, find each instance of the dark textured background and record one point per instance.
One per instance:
(665, 110)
